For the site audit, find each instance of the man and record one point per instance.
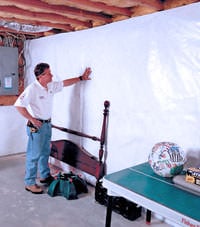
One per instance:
(35, 104)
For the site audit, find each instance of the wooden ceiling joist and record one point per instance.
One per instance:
(38, 6)
(73, 15)
(168, 4)
(155, 4)
(94, 6)
(38, 16)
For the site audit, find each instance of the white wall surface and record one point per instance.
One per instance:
(12, 130)
(147, 67)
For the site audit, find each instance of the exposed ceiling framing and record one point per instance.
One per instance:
(72, 15)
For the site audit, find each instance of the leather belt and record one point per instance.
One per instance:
(44, 121)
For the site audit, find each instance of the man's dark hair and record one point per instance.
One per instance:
(39, 68)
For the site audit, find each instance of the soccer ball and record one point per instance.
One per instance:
(166, 159)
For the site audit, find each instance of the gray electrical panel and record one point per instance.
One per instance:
(8, 71)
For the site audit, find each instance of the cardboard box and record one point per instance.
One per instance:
(193, 175)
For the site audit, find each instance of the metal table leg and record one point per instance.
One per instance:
(109, 211)
(148, 217)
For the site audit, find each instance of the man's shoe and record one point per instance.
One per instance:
(47, 180)
(35, 189)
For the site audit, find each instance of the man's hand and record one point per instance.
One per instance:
(36, 122)
(86, 74)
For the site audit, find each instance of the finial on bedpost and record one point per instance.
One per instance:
(106, 104)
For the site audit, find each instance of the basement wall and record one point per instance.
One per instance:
(147, 67)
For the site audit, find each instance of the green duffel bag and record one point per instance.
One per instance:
(68, 185)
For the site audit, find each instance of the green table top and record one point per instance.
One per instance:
(142, 180)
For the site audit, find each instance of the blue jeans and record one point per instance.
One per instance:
(37, 155)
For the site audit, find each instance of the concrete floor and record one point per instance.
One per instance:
(19, 208)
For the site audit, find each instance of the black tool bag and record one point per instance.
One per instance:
(120, 205)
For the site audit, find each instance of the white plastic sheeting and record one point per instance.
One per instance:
(12, 127)
(147, 67)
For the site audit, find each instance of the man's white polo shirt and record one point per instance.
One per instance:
(38, 100)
